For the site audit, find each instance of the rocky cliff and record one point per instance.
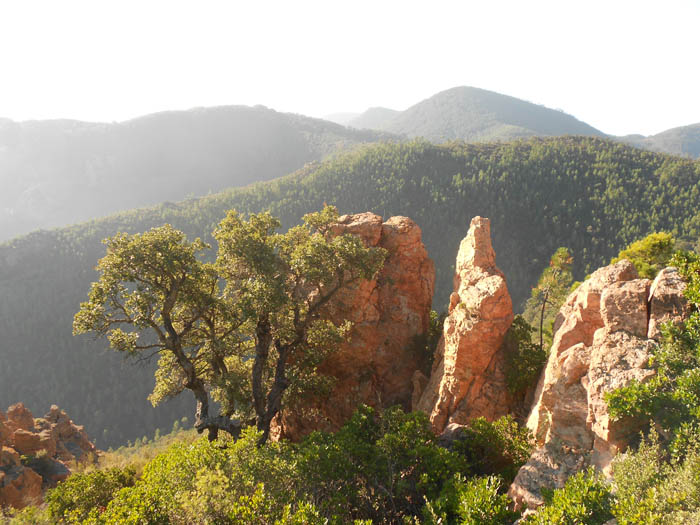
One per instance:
(467, 379)
(602, 340)
(375, 366)
(36, 453)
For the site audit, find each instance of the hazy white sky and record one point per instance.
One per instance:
(621, 66)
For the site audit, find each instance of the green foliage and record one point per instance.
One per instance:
(377, 467)
(247, 328)
(585, 498)
(498, 448)
(671, 398)
(74, 499)
(549, 294)
(206, 483)
(650, 489)
(27, 516)
(524, 359)
(649, 255)
(593, 196)
(477, 501)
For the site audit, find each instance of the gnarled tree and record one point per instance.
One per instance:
(248, 329)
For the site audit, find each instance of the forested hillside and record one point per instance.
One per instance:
(473, 115)
(59, 172)
(591, 195)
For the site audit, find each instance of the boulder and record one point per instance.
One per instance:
(666, 301)
(377, 363)
(18, 416)
(25, 442)
(467, 379)
(48, 445)
(20, 487)
(602, 342)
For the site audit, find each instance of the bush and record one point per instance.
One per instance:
(585, 498)
(652, 488)
(206, 482)
(471, 502)
(496, 448)
(650, 254)
(378, 466)
(73, 499)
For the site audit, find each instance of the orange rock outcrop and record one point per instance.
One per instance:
(36, 453)
(376, 365)
(602, 341)
(467, 379)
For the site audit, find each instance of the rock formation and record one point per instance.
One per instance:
(375, 366)
(602, 341)
(36, 453)
(467, 379)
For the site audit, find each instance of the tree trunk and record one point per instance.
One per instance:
(263, 340)
(274, 398)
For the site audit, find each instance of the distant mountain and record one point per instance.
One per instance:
(591, 195)
(474, 115)
(683, 141)
(374, 118)
(59, 172)
(341, 118)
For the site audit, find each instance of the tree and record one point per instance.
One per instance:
(551, 290)
(245, 329)
(650, 254)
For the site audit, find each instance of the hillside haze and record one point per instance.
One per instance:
(473, 115)
(59, 172)
(684, 141)
(593, 196)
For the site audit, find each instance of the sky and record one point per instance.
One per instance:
(621, 66)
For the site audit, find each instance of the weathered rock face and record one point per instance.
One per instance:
(50, 443)
(467, 379)
(666, 301)
(377, 363)
(602, 341)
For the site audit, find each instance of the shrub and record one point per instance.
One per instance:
(650, 254)
(476, 501)
(497, 448)
(377, 466)
(585, 498)
(73, 499)
(652, 489)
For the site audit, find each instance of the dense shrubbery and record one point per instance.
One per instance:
(477, 501)
(497, 448)
(585, 498)
(649, 255)
(379, 467)
(73, 500)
